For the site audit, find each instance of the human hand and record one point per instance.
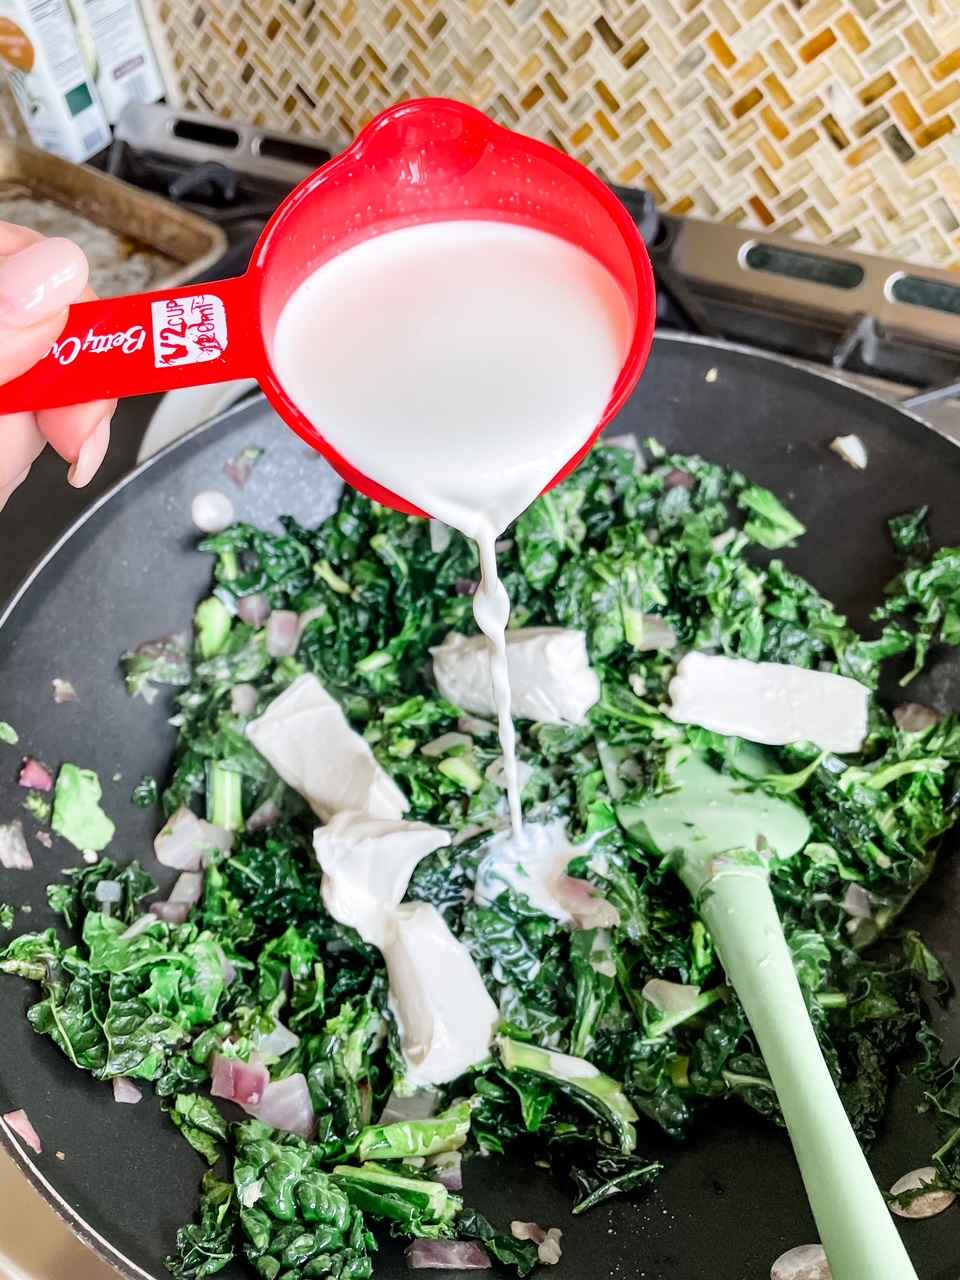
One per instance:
(39, 280)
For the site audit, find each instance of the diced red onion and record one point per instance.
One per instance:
(139, 926)
(913, 717)
(173, 651)
(185, 840)
(254, 609)
(670, 997)
(657, 633)
(14, 854)
(422, 1105)
(286, 1105)
(852, 450)
(251, 1193)
(309, 615)
(465, 587)
(588, 909)
(170, 912)
(19, 1122)
(446, 742)
(216, 837)
(282, 633)
(549, 1251)
(263, 816)
(125, 1090)
(440, 535)
(229, 972)
(46, 839)
(63, 691)
(243, 699)
(547, 1242)
(496, 772)
(856, 902)
(447, 1255)
(241, 468)
(242, 1082)
(170, 647)
(447, 1169)
(188, 888)
(528, 1231)
(633, 444)
(211, 511)
(470, 724)
(278, 1041)
(34, 774)
(677, 479)
(180, 842)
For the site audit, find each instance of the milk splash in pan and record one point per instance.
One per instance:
(459, 364)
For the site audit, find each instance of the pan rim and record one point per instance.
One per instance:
(97, 1243)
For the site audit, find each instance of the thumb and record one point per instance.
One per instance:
(37, 284)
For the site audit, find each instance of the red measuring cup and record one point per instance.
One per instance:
(428, 160)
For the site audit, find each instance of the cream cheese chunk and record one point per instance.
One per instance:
(551, 679)
(444, 1013)
(367, 864)
(770, 702)
(305, 736)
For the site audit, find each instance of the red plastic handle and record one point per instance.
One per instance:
(147, 342)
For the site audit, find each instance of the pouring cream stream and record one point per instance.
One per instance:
(459, 364)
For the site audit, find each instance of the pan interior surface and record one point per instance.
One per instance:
(729, 1201)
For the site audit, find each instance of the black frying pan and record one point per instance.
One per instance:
(729, 1202)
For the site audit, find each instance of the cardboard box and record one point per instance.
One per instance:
(41, 55)
(114, 38)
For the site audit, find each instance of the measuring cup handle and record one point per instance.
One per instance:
(147, 342)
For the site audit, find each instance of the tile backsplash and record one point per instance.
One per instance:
(837, 120)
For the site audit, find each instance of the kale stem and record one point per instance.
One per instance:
(734, 1079)
(832, 1000)
(224, 797)
(948, 1146)
(661, 1028)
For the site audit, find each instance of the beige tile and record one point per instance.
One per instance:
(833, 118)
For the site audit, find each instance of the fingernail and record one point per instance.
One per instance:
(40, 280)
(91, 454)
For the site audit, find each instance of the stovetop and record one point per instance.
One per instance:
(887, 326)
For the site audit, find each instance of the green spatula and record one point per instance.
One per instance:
(718, 825)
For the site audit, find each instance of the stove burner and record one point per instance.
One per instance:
(209, 175)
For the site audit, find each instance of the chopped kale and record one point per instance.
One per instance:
(584, 1062)
(144, 794)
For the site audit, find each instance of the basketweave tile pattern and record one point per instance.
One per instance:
(836, 120)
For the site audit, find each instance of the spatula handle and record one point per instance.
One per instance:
(856, 1229)
(147, 342)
